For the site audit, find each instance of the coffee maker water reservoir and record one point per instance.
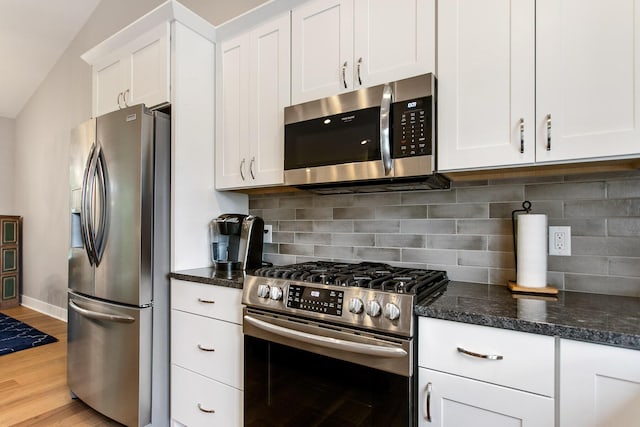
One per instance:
(236, 242)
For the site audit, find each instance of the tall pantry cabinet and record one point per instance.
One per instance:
(546, 81)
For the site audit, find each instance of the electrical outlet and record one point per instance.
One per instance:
(268, 234)
(560, 241)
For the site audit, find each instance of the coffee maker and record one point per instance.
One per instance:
(236, 242)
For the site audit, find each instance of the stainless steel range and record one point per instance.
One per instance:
(333, 343)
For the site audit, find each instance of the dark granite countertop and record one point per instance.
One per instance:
(209, 276)
(595, 318)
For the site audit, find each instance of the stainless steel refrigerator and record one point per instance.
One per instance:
(119, 257)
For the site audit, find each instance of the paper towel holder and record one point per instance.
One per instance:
(512, 285)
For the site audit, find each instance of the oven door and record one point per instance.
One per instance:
(303, 373)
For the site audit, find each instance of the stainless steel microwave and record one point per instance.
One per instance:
(382, 136)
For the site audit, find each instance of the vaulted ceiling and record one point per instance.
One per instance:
(33, 36)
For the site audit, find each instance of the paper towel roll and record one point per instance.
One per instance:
(532, 250)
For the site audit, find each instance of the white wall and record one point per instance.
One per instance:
(7, 160)
(42, 133)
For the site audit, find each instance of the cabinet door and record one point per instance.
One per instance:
(588, 78)
(393, 40)
(137, 73)
(233, 114)
(599, 385)
(322, 49)
(269, 93)
(485, 83)
(148, 68)
(453, 401)
(108, 83)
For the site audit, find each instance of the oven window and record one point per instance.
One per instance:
(287, 387)
(342, 138)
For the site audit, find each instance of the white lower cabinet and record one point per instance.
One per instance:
(452, 400)
(207, 355)
(599, 385)
(483, 376)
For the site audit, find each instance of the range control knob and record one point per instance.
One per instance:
(373, 308)
(356, 305)
(275, 293)
(263, 291)
(391, 311)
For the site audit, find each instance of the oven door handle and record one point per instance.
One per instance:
(338, 344)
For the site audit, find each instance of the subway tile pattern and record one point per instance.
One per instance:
(467, 230)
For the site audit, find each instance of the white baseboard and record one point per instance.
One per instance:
(45, 308)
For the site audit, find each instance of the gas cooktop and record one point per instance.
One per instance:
(372, 296)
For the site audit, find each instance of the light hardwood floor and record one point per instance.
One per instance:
(33, 382)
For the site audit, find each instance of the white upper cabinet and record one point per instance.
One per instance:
(137, 73)
(342, 45)
(588, 78)
(485, 83)
(392, 40)
(577, 62)
(254, 88)
(321, 49)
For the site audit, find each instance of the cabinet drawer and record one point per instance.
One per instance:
(212, 301)
(210, 347)
(193, 394)
(527, 359)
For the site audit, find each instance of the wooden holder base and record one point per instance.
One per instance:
(514, 287)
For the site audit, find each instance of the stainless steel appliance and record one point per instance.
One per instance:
(118, 264)
(333, 343)
(236, 242)
(382, 136)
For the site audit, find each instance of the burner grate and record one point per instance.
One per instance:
(370, 275)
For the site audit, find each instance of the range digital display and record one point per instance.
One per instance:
(327, 301)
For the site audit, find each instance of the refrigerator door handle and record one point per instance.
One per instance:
(100, 316)
(103, 195)
(86, 209)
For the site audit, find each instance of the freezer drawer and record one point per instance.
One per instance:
(109, 358)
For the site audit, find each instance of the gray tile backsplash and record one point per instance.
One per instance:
(467, 230)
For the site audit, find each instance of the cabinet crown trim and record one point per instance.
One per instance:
(168, 11)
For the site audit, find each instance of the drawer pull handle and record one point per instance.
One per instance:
(481, 356)
(206, 301)
(208, 411)
(205, 348)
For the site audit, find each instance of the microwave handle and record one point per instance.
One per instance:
(385, 141)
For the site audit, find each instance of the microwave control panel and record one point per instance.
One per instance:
(412, 123)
